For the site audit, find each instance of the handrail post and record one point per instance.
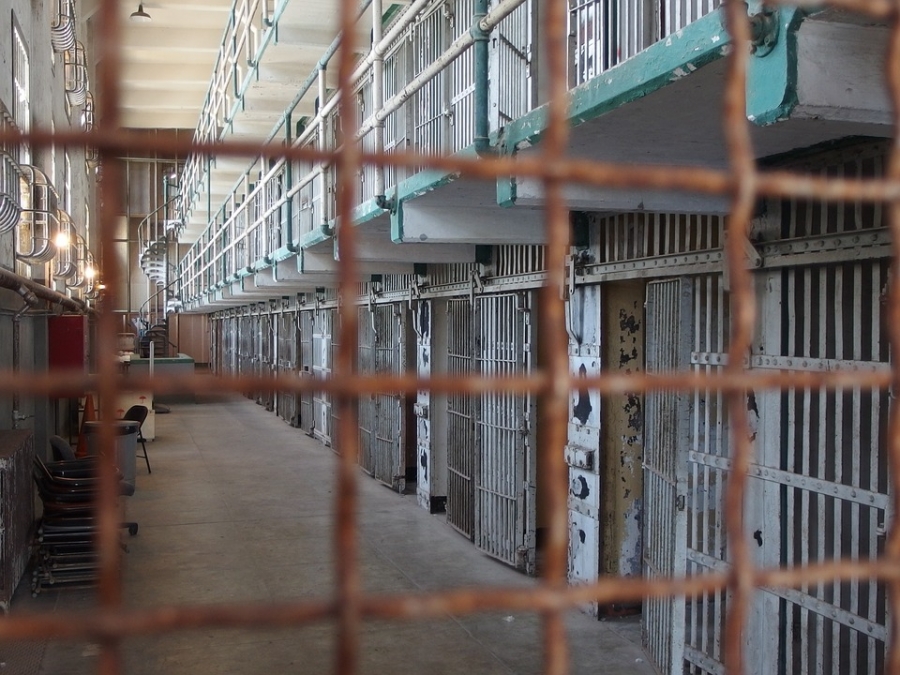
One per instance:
(378, 97)
(321, 143)
(482, 105)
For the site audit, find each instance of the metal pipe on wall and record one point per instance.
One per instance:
(24, 287)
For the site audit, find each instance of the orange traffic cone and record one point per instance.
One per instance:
(90, 415)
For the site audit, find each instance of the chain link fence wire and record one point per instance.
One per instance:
(743, 182)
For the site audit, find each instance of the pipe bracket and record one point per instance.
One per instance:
(763, 32)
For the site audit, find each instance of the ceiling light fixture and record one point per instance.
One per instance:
(140, 16)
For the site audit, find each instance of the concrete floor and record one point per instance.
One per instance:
(239, 508)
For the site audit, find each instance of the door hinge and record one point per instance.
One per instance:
(680, 502)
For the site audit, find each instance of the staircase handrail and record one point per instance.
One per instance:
(154, 214)
(146, 305)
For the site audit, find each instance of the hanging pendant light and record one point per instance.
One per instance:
(140, 16)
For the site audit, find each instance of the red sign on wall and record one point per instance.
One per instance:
(67, 341)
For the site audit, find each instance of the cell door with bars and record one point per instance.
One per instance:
(239, 345)
(266, 365)
(335, 419)
(822, 472)
(286, 401)
(666, 438)
(505, 511)
(256, 347)
(366, 402)
(305, 365)
(389, 438)
(247, 352)
(230, 338)
(215, 345)
(322, 368)
(460, 419)
(710, 456)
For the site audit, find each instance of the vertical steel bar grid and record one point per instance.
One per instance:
(109, 623)
(892, 548)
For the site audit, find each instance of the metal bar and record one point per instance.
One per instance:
(850, 493)
(702, 659)
(807, 602)
(658, 266)
(554, 340)
(803, 305)
(742, 322)
(794, 363)
(348, 586)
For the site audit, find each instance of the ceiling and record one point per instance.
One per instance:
(167, 66)
(167, 62)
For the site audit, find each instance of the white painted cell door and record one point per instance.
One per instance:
(504, 463)
(389, 440)
(460, 419)
(425, 470)
(583, 446)
(821, 474)
(667, 435)
(305, 365)
(322, 368)
(286, 401)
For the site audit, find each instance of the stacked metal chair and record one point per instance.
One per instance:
(64, 552)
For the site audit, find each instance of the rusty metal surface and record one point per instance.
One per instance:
(111, 623)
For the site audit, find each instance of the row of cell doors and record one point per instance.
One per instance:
(306, 350)
(288, 343)
(818, 487)
(489, 438)
(245, 345)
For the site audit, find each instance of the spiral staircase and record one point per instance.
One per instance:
(158, 239)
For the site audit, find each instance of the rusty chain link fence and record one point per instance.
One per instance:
(109, 624)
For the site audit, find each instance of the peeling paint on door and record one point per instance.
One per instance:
(583, 446)
(622, 440)
(422, 323)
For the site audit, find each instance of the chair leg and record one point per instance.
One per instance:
(146, 459)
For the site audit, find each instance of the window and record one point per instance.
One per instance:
(21, 75)
(54, 178)
(68, 179)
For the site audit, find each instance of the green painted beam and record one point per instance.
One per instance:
(772, 78)
(315, 237)
(261, 264)
(368, 210)
(415, 186)
(397, 223)
(280, 254)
